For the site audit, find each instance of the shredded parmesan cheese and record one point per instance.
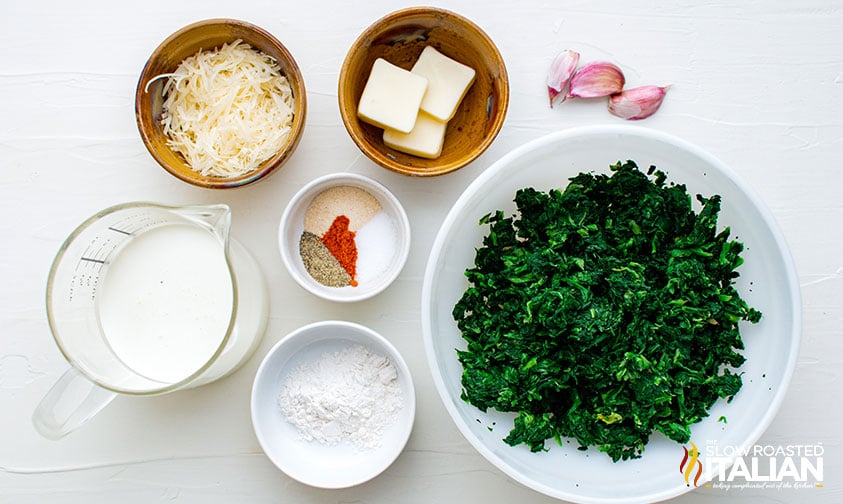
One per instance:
(227, 110)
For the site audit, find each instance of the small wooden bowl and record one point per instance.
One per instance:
(207, 35)
(399, 38)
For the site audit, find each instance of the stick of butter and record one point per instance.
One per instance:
(392, 97)
(448, 81)
(425, 140)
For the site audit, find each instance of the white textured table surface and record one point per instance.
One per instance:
(757, 83)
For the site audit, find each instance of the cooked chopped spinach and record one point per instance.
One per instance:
(603, 312)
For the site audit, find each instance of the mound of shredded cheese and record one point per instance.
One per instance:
(227, 110)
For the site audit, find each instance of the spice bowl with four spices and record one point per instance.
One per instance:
(400, 38)
(210, 89)
(344, 237)
(333, 404)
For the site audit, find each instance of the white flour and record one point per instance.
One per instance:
(350, 395)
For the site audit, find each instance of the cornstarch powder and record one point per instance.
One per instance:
(351, 395)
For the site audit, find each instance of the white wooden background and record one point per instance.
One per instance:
(757, 83)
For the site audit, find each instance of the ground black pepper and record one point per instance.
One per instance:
(329, 252)
(320, 264)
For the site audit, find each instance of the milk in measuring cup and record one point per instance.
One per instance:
(166, 303)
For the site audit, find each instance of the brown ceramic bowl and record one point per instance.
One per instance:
(207, 35)
(399, 38)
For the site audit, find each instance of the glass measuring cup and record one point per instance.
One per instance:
(146, 299)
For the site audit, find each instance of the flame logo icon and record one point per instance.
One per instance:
(690, 462)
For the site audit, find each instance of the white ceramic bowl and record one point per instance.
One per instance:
(311, 462)
(292, 226)
(768, 282)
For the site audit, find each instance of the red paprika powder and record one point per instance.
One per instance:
(339, 240)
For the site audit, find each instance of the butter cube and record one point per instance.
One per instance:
(392, 97)
(425, 140)
(448, 81)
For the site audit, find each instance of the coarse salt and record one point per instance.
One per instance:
(376, 245)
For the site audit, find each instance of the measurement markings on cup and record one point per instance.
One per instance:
(89, 259)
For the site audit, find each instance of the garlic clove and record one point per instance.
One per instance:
(595, 80)
(560, 73)
(637, 103)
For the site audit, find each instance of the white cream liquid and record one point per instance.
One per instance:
(166, 301)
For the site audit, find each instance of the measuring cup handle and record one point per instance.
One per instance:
(71, 402)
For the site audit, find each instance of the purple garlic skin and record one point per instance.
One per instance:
(560, 73)
(637, 103)
(595, 80)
